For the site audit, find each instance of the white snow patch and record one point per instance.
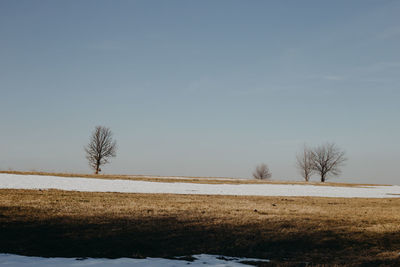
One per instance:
(189, 178)
(12, 181)
(201, 260)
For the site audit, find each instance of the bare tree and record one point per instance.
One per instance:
(305, 163)
(327, 160)
(101, 148)
(262, 172)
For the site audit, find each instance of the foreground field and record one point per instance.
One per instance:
(287, 230)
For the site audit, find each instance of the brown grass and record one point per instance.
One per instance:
(288, 230)
(186, 179)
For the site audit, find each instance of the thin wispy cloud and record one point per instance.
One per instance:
(389, 33)
(333, 77)
(381, 66)
(107, 46)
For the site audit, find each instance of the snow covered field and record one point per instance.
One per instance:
(11, 181)
(201, 260)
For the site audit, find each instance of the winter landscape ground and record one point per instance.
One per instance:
(207, 220)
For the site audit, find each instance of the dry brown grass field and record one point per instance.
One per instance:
(291, 231)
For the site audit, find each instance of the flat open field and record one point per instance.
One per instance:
(83, 184)
(287, 230)
(181, 179)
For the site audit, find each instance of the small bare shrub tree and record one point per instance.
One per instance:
(262, 172)
(101, 148)
(305, 163)
(327, 160)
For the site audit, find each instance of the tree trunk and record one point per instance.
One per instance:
(307, 177)
(97, 167)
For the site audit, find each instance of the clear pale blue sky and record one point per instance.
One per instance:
(208, 88)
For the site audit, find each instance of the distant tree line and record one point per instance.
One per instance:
(325, 160)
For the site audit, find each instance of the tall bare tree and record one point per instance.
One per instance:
(328, 160)
(262, 172)
(305, 163)
(101, 148)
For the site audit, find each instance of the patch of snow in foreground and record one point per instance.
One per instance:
(12, 181)
(201, 260)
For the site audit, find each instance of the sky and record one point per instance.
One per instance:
(201, 88)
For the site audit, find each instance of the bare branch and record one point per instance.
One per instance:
(304, 162)
(262, 172)
(101, 148)
(328, 160)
